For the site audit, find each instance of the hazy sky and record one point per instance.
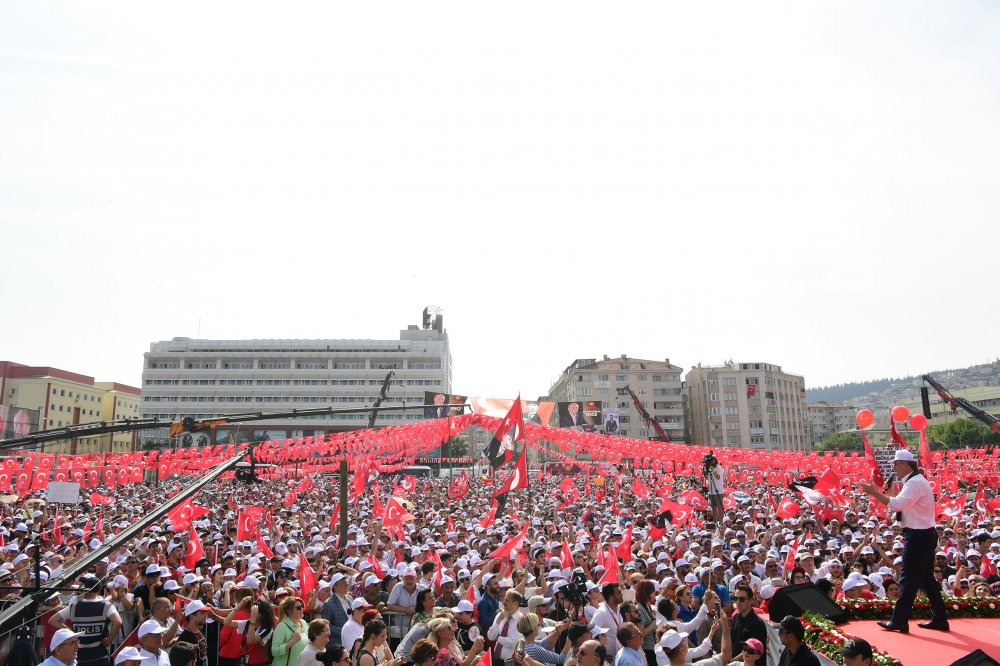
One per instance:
(815, 185)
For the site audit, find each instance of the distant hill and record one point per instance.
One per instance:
(884, 393)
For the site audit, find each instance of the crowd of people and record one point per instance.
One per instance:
(581, 581)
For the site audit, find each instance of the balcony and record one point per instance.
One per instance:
(756, 431)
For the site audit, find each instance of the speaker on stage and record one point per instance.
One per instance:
(797, 599)
(925, 401)
(977, 658)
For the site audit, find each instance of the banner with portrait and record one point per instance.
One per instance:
(441, 405)
(17, 421)
(534, 411)
(584, 414)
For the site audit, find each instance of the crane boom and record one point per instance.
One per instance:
(981, 415)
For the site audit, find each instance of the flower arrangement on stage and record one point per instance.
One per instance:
(823, 636)
(881, 609)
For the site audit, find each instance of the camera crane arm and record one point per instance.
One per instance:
(991, 422)
(661, 434)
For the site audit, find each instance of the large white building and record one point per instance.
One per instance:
(657, 384)
(750, 405)
(201, 379)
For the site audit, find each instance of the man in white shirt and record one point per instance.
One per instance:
(504, 629)
(915, 509)
(608, 616)
(63, 647)
(151, 640)
(353, 631)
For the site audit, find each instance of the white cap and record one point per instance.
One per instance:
(904, 455)
(171, 585)
(127, 654)
(193, 608)
(672, 639)
(150, 627)
(358, 604)
(62, 636)
(153, 569)
(464, 606)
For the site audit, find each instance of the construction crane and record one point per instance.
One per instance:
(991, 422)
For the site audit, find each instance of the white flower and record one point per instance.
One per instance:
(993, 606)
(955, 606)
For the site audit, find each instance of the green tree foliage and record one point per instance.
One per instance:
(961, 433)
(842, 441)
(456, 447)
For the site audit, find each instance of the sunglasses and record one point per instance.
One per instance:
(738, 599)
(296, 607)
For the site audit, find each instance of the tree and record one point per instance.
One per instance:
(456, 447)
(842, 441)
(961, 433)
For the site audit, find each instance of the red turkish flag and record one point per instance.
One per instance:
(565, 556)
(98, 498)
(248, 523)
(180, 518)
(624, 551)
(489, 518)
(787, 508)
(408, 483)
(262, 545)
(193, 550)
(518, 478)
(612, 569)
(307, 577)
(290, 499)
(951, 508)
(639, 489)
(790, 560)
(471, 596)
(693, 499)
(395, 514)
(335, 516)
(56, 531)
(505, 549)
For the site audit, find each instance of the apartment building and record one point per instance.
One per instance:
(749, 405)
(657, 384)
(56, 398)
(826, 418)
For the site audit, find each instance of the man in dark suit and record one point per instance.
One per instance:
(437, 410)
(570, 416)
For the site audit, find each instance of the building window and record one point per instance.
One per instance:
(713, 397)
(584, 391)
(620, 378)
(247, 365)
(643, 378)
(602, 378)
(312, 365)
(729, 381)
(349, 366)
(730, 396)
(714, 411)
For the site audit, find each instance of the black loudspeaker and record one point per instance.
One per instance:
(925, 400)
(977, 658)
(797, 599)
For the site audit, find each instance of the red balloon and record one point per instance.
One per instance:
(865, 418)
(900, 413)
(918, 421)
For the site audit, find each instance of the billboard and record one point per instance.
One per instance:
(611, 420)
(17, 421)
(585, 414)
(533, 411)
(439, 402)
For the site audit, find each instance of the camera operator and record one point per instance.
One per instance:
(712, 472)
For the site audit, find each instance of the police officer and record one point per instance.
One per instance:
(95, 619)
(915, 509)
